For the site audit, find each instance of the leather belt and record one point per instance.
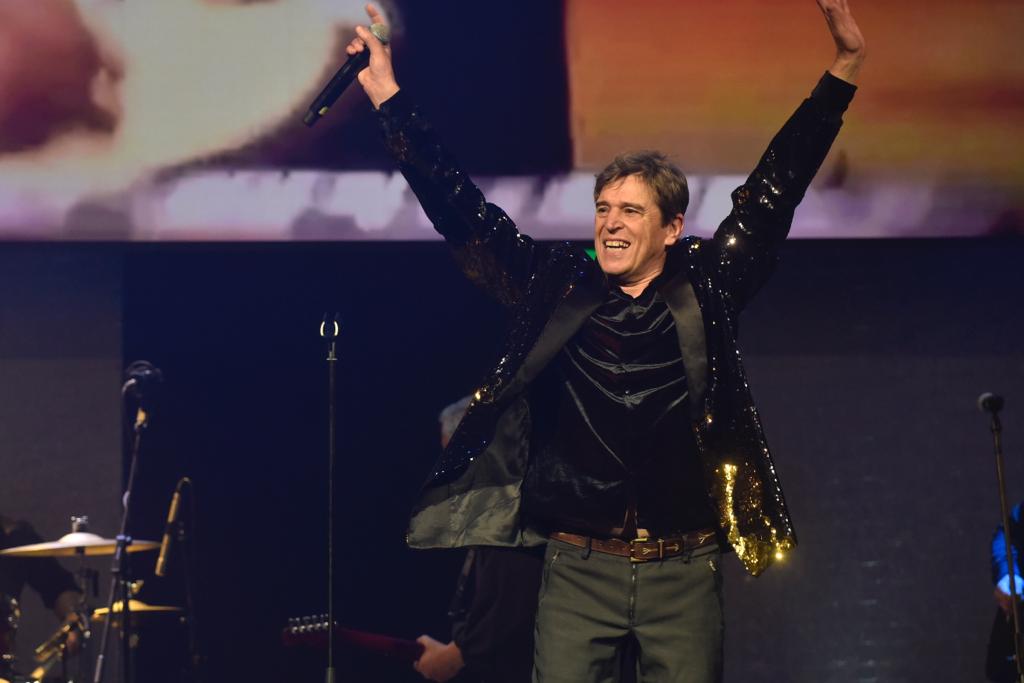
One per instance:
(641, 549)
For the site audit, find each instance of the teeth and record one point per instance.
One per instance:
(616, 244)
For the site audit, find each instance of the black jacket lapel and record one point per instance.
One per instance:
(682, 301)
(568, 316)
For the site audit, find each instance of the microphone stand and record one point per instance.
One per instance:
(997, 441)
(329, 331)
(119, 577)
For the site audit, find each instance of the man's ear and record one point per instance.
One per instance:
(674, 230)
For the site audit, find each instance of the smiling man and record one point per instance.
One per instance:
(639, 202)
(617, 425)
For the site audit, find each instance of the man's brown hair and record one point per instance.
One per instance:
(666, 181)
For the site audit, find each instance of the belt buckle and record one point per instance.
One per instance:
(646, 552)
(703, 538)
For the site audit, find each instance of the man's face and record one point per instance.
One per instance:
(630, 234)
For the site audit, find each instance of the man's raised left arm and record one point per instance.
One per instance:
(744, 248)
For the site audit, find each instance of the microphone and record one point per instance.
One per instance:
(141, 379)
(345, 75)
(165, 543)
(990, 403)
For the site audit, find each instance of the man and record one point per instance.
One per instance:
(493, 608)
(45, 575)
(618, 423)
(1000, 663)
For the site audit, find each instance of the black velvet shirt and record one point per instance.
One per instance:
(615, 449)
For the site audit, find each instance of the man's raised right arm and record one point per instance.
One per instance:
(491, 251)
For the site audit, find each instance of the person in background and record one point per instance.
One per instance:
(1000, 664)
(492, 611)
(54, 584)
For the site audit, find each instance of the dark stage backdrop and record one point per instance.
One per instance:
(60, 370)
(866, 359)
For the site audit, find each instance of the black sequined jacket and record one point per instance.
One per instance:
(473, 494)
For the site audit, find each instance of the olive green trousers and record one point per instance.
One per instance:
(602, 618)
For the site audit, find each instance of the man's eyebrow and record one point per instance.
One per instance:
(628, 205)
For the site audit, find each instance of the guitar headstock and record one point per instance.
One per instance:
(307, 630)
(312, 632)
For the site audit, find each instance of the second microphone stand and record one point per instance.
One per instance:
(329, 331)
(120, 581)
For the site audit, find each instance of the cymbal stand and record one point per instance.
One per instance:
(186, 541)
(88, 580)
(119, 572)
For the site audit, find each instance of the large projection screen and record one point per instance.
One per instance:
(181, 119)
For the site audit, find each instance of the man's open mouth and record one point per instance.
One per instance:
(615, 244)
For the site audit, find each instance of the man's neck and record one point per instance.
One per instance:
(635, 289)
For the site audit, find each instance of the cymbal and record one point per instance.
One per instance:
(135, 606)
(71, 544)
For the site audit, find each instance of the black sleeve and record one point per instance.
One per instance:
(44, 574)
(496, 639)
(488, 246)
(745, 246)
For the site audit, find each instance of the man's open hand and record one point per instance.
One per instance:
(1004, 602)
(850, 50)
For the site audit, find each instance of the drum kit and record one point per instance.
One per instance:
(82, 544)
